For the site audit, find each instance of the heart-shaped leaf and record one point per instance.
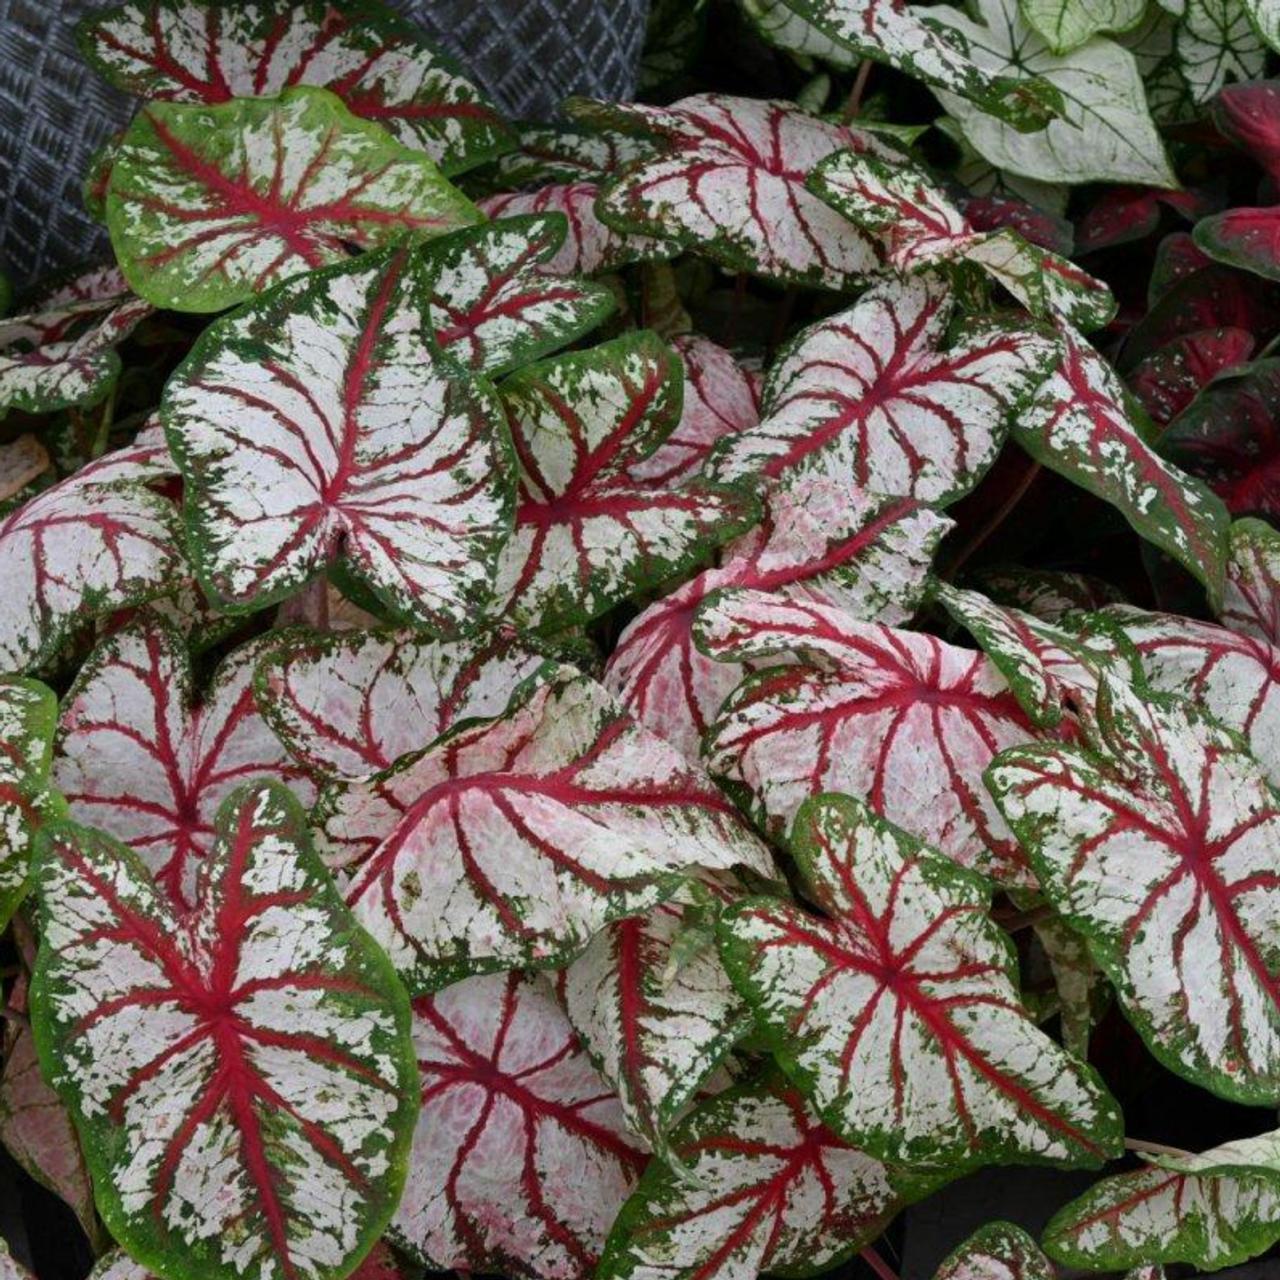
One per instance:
(511, 842)
(1168, 380)
(1217, 41)
(587, 534)
(998, 1251)
(1067, 24)
(317, 426)
(1251, 598)
(899, 1016)
(895, 717)
(380, 66)
(1121, 215)
(872, 397)
(1165, 853)
(209, 204)
(513, 1115)
(784, 28)
(243, 1076)
(143, 757)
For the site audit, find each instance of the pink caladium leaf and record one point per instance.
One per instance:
(998, 1251)
(379, 1264)
(1249, 114)
(143, 757)
(818, 541)
(102, 284)
(1159, 844)
(921, 229)
(995, 210)
(1083, 423)
(242, 1076)
(1251, 599)
(1121, 215)
(493, 308)
(350, 705)
(1168, 380)
(553, 153)
(521, 1159)
(872, 397)
(318, 427)
(587, 534)
(511, 842)
(1211, 1210)
(722, 151)
(208, 205)
(212, 50)
(897, 718)
(756, 1185)
(1047, 594)
(98, 541)
(898, 1016)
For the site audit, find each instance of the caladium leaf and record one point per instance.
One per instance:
(511, 842)
(1065, 25)
(1251, 599)
(818, 541)
(1210, 1210)
(143, 757)
(998, 1251)
(1075, 980)
(102, 285)
(899, 1016)
(922, 229)
(1123, 214)
(1216, 42)
(382, 68)
(1249, 114)
(209, 204)
(492, 309)
(1046, 593)
(1083, 424)
(587, 534)
(757, 1185)
(784, 28)
(896, 717)
(289, 421)
(242, 1076)
(1104, 131)
(1168, 380)
(872, 398)
(719, 147)
(350, 705)
(563, 153)
(521, 1158)
(1163, 852)
(379, 1264)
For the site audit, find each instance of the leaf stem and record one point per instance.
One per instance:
(853, 104)
(877, 1263)
(1154, 1148)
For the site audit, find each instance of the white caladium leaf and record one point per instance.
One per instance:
(722, 151)
(1164, 853)
(381, 67)
(143, 757)
(922, 229)
(784, 28)
(521, 1159)
(556, 153)
(511, 842)
(818, 541)
(242, 1076)
(1104, 131)
(350, 705)
(1065, 25)
(1210, 1210)
(588, 535)
(317, 426)
(98, 541)
(28, 717)
(209, 204)
(1217, 42)
(1085, 425)
(872, 398)
(899, 1016)
(998, 1251)
(897, 718)
(1251, 595)
(757, 1185)
(493, 308)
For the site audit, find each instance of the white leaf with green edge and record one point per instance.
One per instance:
(318, 427)
(1153, 43)
(511, 842)
(756, 1185)
(875, 398)
(242, 1076)
(381, 66)
(894, 717)
(587, 533)
(1084, 424)
(1075, 978)
(730, 184)
(1217, 42)
(565, 153)
(145, 757)
(819, 541)
(784, 28)
(99, 540)
(898, 1015)
(493, 309)
(1265, 16)
(1104, 132)
(998, 1251)
(1165, 853)
(208, 205)
(982, 179)
(922, 229)
(1211, 1210)
(350, 705)
(1251, 596)
(1067, 24)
